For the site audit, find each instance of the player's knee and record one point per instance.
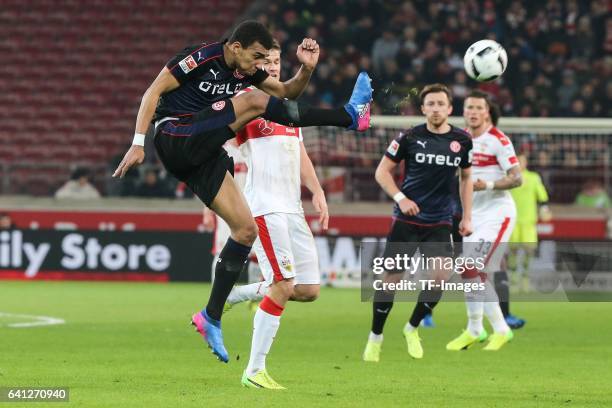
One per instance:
(247, 234)
(286, 288)
(307, 293)
(258, 101)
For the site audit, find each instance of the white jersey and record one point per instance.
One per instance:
(493, 155)
(272, 154)
(222, 230)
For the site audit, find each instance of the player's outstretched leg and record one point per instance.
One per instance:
(355, 115)
(253, 292)
(230, 205)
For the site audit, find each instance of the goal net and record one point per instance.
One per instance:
(569, 153)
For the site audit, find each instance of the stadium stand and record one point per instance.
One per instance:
(76, 72)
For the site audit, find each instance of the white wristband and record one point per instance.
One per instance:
(490, 185)
(139, 139)
(398, 197)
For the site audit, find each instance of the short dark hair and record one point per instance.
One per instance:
(251, 31)
(494, 110)
(435, 88)
(275, 45)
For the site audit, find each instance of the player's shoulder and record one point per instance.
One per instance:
(459, 134)
(412, 132)
(499, 135)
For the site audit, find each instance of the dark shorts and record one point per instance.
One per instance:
(190, 148)
(405, 238)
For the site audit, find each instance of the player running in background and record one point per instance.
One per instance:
(524, 238)
(495, 170)
(277, 165)
(432, 152)
(194, 107)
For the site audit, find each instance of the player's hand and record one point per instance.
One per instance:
(133, 156)
(308, 53)
(409, 207)
(480, 185)
(208, 219)
(320, 206)
(465, 228)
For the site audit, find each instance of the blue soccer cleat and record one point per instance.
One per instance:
(514, 322)
(428, 321)
(358, 106)
(210, 330)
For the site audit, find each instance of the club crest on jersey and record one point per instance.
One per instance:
(455, 146)
(393, 147)
(264, 127)
(218, 105)
(188, 64)
(238, 75)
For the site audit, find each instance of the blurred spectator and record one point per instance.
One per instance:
(6, 222)
(153, 186)
(385, 48)
(593, 195)
(78, 187)
(551, 42)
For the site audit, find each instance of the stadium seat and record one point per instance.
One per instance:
(92, 66)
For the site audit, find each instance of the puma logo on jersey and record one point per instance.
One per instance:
(421, 143)
(439, 159)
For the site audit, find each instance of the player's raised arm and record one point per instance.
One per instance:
(164, 82)
(308, 55)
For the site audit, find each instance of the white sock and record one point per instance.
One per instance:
(253, 291)
(377, 338)
(493, 311)
(265, 326)
(474, 305)
(474, 312)
(410, 328)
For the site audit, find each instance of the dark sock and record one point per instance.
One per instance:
(297, 114)
(428, 299)
(502, 287)
(381, 307)
(231, 261)
(380, 312)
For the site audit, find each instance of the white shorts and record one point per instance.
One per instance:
(489, 240)
(285, 248)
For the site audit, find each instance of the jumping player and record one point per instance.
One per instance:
(196, 110)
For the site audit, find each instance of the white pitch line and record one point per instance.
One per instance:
(40, 320)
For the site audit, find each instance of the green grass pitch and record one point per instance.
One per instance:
(130, 345)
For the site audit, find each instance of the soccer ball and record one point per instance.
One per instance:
(485, 60)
